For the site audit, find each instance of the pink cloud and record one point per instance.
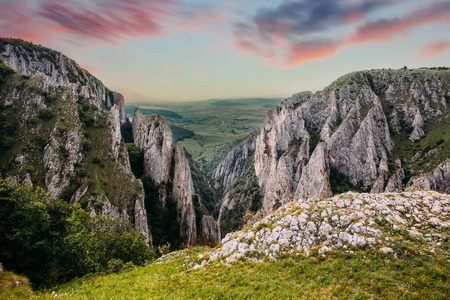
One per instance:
(433, 50)
(109, 22)
(19, 21)
(101, 20)
(303, 53)
(248, 47)
(285, 40)
(378, 31)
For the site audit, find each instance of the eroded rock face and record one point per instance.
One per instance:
(64, 101)
(153, 136)
(183, 190)
(235, 163)
(57, 69)
(346, 128)
(210, 228)
(438, 179)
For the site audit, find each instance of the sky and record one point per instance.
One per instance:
(175, 50)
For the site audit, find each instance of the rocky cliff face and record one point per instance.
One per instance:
(56, 69)
(154, 137)
(210, 228)
(183, 189)
(378, 131)
(62, 128)
(235, 180)
(353, 128)
(437, 180)
(168, 168)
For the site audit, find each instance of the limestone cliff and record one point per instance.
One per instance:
(438, 179)
(168, 168)
(154, 137)
(210, 228)
(371, 130)
(62, 132)
(183, 190)
(234, 179)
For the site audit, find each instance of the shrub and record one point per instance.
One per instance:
(46, 114)
(86, 145)
(50, 242)
(32, 121)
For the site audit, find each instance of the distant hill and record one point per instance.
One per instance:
(168, 114)
(265, 102)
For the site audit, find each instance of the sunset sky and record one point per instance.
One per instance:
(161, 51)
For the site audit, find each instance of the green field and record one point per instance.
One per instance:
(215, 122)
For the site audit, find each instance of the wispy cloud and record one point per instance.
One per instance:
(432, 50)
(308, 29)
(380, 30)
(101, 20)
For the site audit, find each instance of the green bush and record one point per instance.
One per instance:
(46, 114)
(33, 121)
(50, 241)
(86, 145)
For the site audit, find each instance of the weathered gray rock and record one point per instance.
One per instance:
(114, 119)
(210, 228)
(235, 163)
(74, 98)
(297, 227)
(154, 137)
(140, 216)
(57, 69)
(395, 183)
(137, 117)
(438, 179)
(352, 121)
(183, 190)
(61, 171)
(314, 181)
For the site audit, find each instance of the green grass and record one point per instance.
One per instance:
(362, 276)
(13, 286)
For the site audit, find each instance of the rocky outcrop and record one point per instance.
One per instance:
(345, 223)
(140, 215)
(395, 183)
(57, 69)
(61, 170)
(314, 181)
(210, 228)
(183, 191)
(349, 127)
(154, 137)
(137, 117)
(438, 179)
(68, 128)
(235, 164)
(114, 119)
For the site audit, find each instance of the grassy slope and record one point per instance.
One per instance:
(337, 276)
(13, 286)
